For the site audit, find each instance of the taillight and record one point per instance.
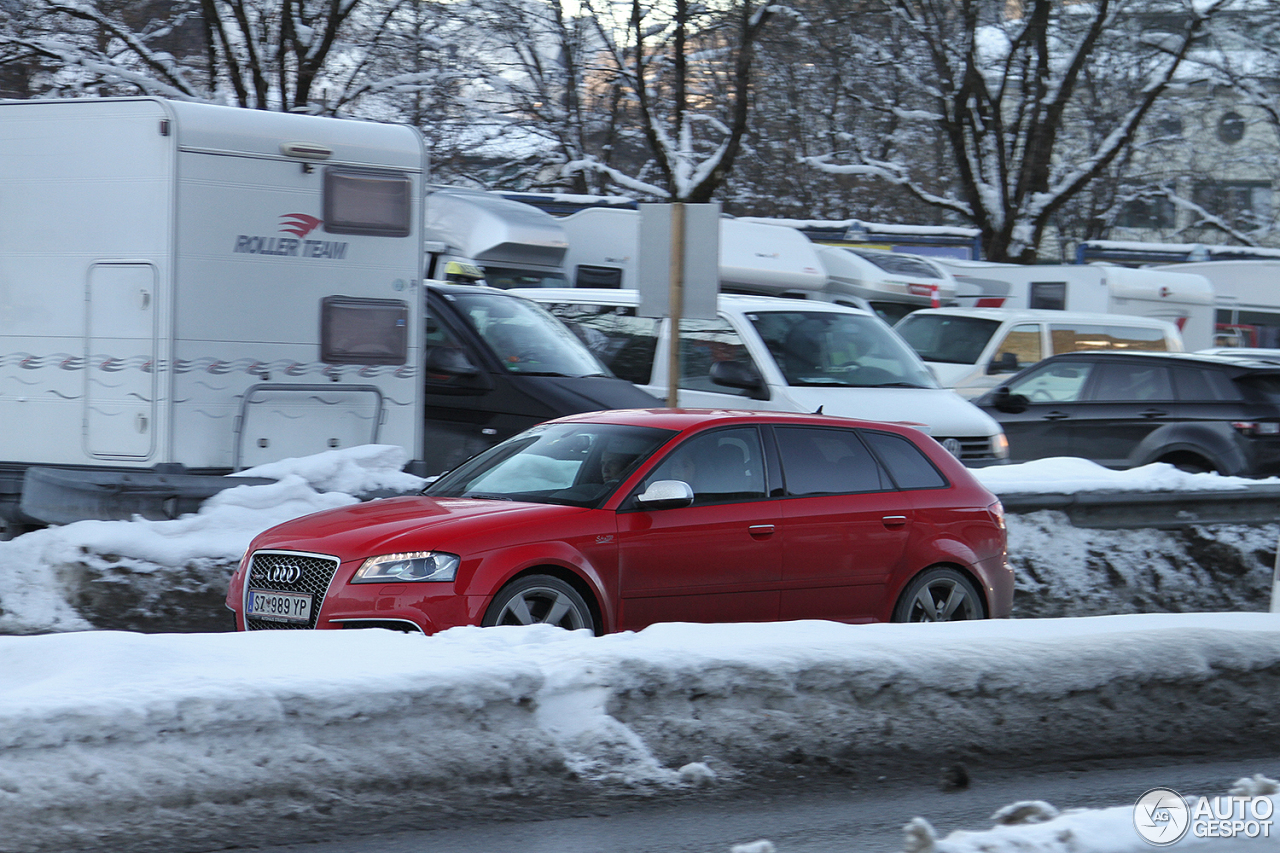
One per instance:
(996, 510)
(1257, 427)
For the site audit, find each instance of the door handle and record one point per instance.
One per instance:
(894, 520)
(1153, 413)
(1056, 416)
(760, 529)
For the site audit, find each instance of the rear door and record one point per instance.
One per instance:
(1126, 400)
(845, 527)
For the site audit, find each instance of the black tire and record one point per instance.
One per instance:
(939, 594)
(539, 599)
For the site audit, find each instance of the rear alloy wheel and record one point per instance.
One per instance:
(539, 599)
(939, 595)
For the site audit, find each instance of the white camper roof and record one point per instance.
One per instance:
(490, 229)
(752, 256)
(207, 127)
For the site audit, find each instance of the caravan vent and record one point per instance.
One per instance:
(305, 150)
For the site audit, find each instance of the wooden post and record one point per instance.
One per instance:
(676, 306)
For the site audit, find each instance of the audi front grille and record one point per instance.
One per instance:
(289, 572)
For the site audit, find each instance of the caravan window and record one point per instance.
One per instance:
(1051, 295)
(363, 331)
(367, 202)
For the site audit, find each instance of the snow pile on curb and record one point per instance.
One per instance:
(1037, 827)
(116, 741)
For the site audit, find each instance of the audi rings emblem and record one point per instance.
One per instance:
(286, 573)
(952, 446)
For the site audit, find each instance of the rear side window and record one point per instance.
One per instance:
(367, 202)
(1079, 338)
(822, 461)
(363, 331)
(1199, 384)
(1121, 382)
(589, 276)
(909, 467)
(615, 335)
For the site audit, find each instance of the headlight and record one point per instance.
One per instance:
(1000, 446)
(413, 566)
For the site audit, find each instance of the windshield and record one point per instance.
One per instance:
(525, 337)
(830, 348)
(947, 338)
(569, 464)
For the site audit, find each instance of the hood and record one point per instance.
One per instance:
(406, 524)
(950, 375)
(570, 395)
(942, 410)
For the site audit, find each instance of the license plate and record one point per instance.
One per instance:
(279, 606)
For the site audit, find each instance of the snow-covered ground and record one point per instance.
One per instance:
(122, 741)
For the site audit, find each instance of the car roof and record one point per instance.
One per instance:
(684, 419)
(1185, 358)
(727, 301)
(1049, 314)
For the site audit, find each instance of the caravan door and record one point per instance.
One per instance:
(120, 354)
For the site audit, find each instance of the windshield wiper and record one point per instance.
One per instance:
(487, 496)
(894, 385)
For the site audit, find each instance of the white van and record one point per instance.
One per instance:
(779, 354)
(969, 349)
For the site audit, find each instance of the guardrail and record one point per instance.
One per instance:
(1255, 505)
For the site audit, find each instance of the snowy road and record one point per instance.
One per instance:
(865, 817)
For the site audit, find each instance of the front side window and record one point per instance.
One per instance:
(525, 337)
(823, 461)
(945, 338)
(702, 344)
(363, 331)
(1024, 342)
(838, 349)
(1056, 383)
(724, 465)
(367, 202)
(569, 464)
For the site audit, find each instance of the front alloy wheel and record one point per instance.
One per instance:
(539, 599)
(939, 595)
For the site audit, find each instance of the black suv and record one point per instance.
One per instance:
(1122, 410)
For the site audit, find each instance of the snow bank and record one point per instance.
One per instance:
(1037, 827)
(111, 741)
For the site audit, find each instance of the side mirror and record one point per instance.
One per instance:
(737, 374)
(450, 361)
(1006, 362)
(1003, 400)
(666, 494)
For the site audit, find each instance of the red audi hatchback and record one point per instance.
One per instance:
(612, 521)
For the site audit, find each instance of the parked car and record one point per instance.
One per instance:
(969, 348)
(615, 520)
(1198, 412)
(790, 355)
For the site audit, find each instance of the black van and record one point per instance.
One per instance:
(496, 364)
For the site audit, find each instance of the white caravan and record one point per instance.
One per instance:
(1247, 295)
(1177, 297)
(189, 290)
(511, 243)
(765, 260)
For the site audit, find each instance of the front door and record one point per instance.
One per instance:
(719, 560)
